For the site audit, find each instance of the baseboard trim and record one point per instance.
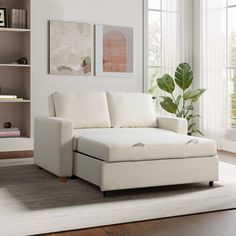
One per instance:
(17, 154)
(229, 146)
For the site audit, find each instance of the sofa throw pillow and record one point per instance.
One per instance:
(84, 109)
(131, 110)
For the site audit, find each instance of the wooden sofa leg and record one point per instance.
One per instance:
(63, 179)
(211, 183)
(104, 194)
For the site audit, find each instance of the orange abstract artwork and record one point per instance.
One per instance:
(114, 52)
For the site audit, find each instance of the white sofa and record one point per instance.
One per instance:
(115, 141)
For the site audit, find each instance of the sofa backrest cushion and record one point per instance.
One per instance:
(84, 109)
(131, 110)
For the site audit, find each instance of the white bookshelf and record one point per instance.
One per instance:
(15, 79)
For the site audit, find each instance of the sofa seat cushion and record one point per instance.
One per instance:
(136, 144)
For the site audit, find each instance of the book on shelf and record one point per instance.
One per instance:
(8, 96)
(18, 18)
(8, 134)
(9, 129)
(11, 99)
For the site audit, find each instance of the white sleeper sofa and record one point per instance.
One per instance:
(115, 141)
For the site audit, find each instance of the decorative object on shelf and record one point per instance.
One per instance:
(7, 125)
(22, 61)
(10, 132)
(114, 51)
(3, 17)
(71, 45)
(182, 105)
(18, 18)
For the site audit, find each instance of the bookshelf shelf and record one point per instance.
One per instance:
(13, 138)
(15, 143)
(15, 79)
(14, 100)
(14, 30)
(13, 65)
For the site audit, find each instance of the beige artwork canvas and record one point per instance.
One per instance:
(70, 48)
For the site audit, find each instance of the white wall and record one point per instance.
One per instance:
(112, 12)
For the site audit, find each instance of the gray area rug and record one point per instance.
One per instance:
(33, 201)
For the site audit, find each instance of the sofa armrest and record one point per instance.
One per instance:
(178, 125)
(53, 145)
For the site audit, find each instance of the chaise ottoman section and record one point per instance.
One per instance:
(147, 144)
(139, 174)
(116, 159)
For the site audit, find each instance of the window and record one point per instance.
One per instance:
(231, 61)
(166, 31)
(154, 43)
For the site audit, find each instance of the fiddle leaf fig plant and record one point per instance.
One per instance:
(182, 104)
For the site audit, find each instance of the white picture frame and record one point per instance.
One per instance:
(127, 33)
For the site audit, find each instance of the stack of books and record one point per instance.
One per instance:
(9, 132)
(9, 97)
(18, 18)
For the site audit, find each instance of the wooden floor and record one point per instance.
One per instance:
(222, 223)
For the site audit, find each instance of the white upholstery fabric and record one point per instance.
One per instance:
(131, 110)
(123, 157)
(138, 174)
(178, 125)
(134, 144)
(84, 109)
(53, 145)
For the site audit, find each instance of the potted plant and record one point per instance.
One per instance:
(181, 105)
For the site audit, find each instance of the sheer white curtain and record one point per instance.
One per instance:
(176, 30)
(213, 69)
(176, 37)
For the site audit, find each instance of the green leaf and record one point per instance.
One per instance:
(201, 91)
(181, 112)
(167, 98)
(189, 117)
(193, 94)
(178, 100)
(183, 76)
(187, 109)
(169, 106)
(196, 131)
(191, 126)
(166, 83)
(152, 89)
